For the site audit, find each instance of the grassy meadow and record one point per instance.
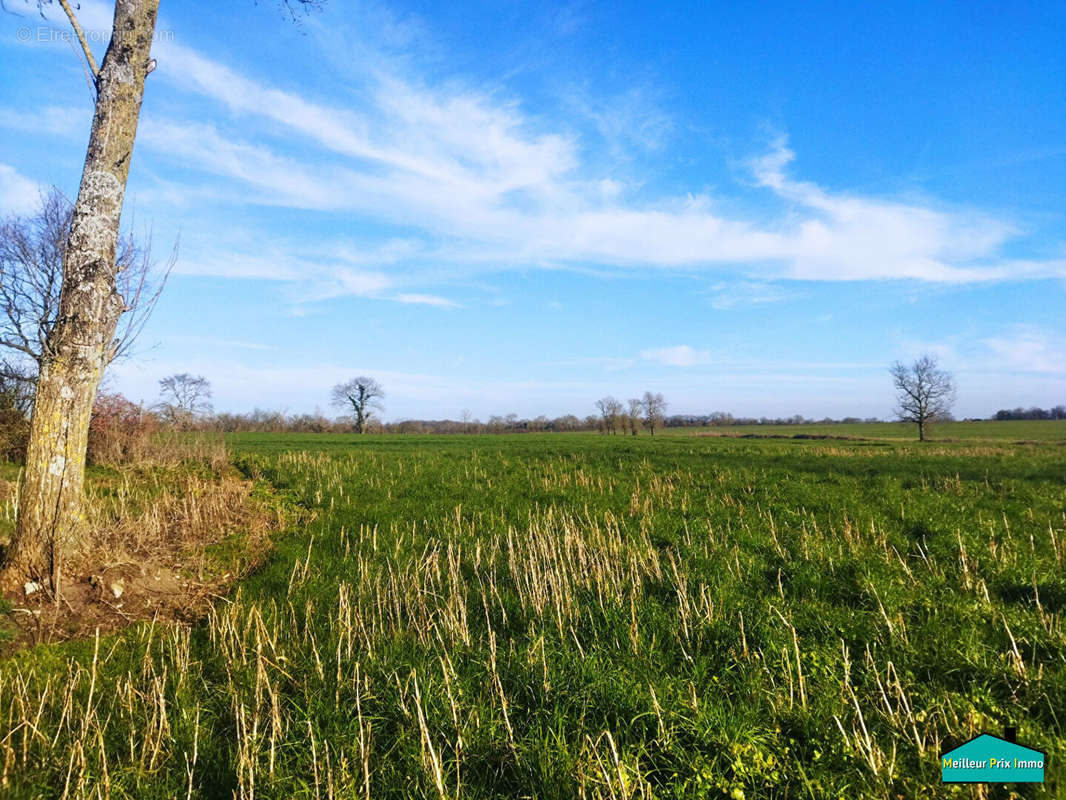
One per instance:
(1012, 431)
(584, 616)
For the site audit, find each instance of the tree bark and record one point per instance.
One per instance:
(82, 342)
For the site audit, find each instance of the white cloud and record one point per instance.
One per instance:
(482, 182)
(738, 294)
(18, 194)
(846, 236)
(426, 300)
(1012, 351)
(484, 178)
(268, 264)
(632, 120)
(1028, 348)
(280, 181)
(214, 344)
(679, 356)
(349, 282)
(50, 120)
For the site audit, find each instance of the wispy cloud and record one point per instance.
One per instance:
(47, 121)
(680, 356)
(224, 344)
(627, 122)
(18, 194)
(349, 282)
(1014, 349)
(490, 184)
(739, 294)
(1029, 348)
(487, 183)
(425, 300)
(847, 236)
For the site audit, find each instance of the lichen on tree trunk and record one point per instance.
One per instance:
(82, 342)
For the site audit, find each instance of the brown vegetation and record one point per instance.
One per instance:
(154, 542)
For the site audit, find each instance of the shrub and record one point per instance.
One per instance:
(14, 434)
(120, 431)
(16, 400)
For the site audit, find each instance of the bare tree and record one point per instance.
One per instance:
(362, 395)
(924, 392)
(610, 412)
(82, 341)
(184, 399)
(633, 416)
(16, 386)
(654, 407)
(31, 275)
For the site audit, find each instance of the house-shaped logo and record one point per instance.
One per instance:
(989, 759)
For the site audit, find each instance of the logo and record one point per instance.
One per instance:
(989, 759)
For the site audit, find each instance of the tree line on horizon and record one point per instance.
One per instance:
(1058, 412)
(185, 404)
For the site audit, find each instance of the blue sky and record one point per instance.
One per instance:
(518, 207)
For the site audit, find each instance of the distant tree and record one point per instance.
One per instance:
(567, 422)
(924, 392)
(1058, 412)
(184, 399)
(634, 414)
(654, 407)
(610, 412)
(362, 396)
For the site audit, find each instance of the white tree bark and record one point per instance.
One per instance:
(82, 342)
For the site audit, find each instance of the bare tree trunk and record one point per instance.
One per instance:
(82, 342)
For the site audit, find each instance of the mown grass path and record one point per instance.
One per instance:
(584, 616)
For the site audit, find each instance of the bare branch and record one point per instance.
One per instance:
(31, 278)
(654, 406)
(81, 38)
(185, 398)
(363, 395)
(924, 392)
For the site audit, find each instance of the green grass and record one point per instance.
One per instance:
(564, 616)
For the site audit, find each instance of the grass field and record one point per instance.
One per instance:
(1028, 431)
(565, 616)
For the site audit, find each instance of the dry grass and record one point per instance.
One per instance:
(163, 537)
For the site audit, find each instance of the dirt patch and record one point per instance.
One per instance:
(161, 545)
(115, 597)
